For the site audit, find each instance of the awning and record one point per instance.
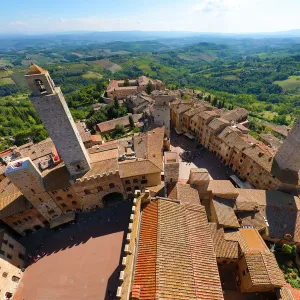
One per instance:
(191, 137)
(177, 131)
(62, 220)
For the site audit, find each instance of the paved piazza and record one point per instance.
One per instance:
(199, 158)
(83, 267)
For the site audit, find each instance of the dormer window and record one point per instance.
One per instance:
(40, 86)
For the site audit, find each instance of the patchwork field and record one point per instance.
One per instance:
(108, 65)
(230, 77)
(289, 84)
(92, 75)
(6, 81)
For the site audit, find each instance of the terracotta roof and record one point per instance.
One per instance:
(57, 178)
(236, 114)
(104, 155)
(186, 194)
(144, 282)
(261, 157)
(217, 124)
(85, 136)
(35, 151)
(224, 212)
(181, 108)
(222, 188)
(223, 248)
(251, 241)
(137, 167)
(253, 218)
(103, 167)
(110, 125)
(177, 261)
(35, 69)
(11, 199)
(149, 145)
(104, 147)
(208, 114)
(264, 270)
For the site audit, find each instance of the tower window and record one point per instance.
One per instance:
(87, 192)
(78, 167)
(40, 86)
(111, 185)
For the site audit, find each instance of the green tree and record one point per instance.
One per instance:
(149, 87)
(290, 250)
(215, 102)
(208, 98)
(119, 131)
(126, 82)
(131, 122)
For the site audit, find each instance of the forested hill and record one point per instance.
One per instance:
(260, 74)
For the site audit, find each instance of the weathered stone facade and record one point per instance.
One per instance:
(53, 110)
(171, 167)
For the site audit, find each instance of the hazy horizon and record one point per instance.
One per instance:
(195, 16)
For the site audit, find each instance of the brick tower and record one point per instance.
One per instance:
(28, 179)
(286, 163)
(53, 110)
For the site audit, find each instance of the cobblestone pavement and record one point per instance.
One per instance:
(82, 259)
(198, 158)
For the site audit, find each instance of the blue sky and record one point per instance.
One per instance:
(24, 16)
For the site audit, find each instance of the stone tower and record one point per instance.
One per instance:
(53, 110)
(171, 167)
(286, 163)
(28, 179)
(161, 113)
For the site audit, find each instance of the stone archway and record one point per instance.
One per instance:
(112, 198)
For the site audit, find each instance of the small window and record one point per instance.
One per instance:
(111, 185)
(58, 198)
(41, 199)
(4, 274)
(128, 189)
(70, 196)
(100, 188)
(74, 202)
(21, 256)
(87, 192)
(65, 190)
(78, 167)
(8, 256)
(135, 181)
(15, 279)
(145, 181)
(143, 177)
(63, 205)
(11, 246)
(51, 212)
(2, 252)
(136, 188)
(244, 273)
(127, 181)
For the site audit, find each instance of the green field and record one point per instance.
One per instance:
(289, 84)
(4, 61)
(5, 73)
(92, 75)
(6, 81)
(19, 79)
(230, 77)
(108, 65)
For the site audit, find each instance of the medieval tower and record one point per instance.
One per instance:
(28, 179)
(286, 164)
(53, 110)
(161, 113)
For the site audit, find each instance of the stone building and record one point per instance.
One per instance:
(161, 109)
(177, 112)
(53, 110)
(12, 260)
(28, 179)
(139, 103)
(286, 164)
(171, 167)
(17, 212)
(117, 89)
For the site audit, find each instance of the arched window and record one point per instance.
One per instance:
(74, 202)
(128, 189)
(70, 196)
(111, 185)
(136, 188)
(58, 198)
(40, 86)
(99, 188)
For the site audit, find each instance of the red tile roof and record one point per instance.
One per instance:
(144, 284)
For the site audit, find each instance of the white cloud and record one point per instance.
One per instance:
(18, 24)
